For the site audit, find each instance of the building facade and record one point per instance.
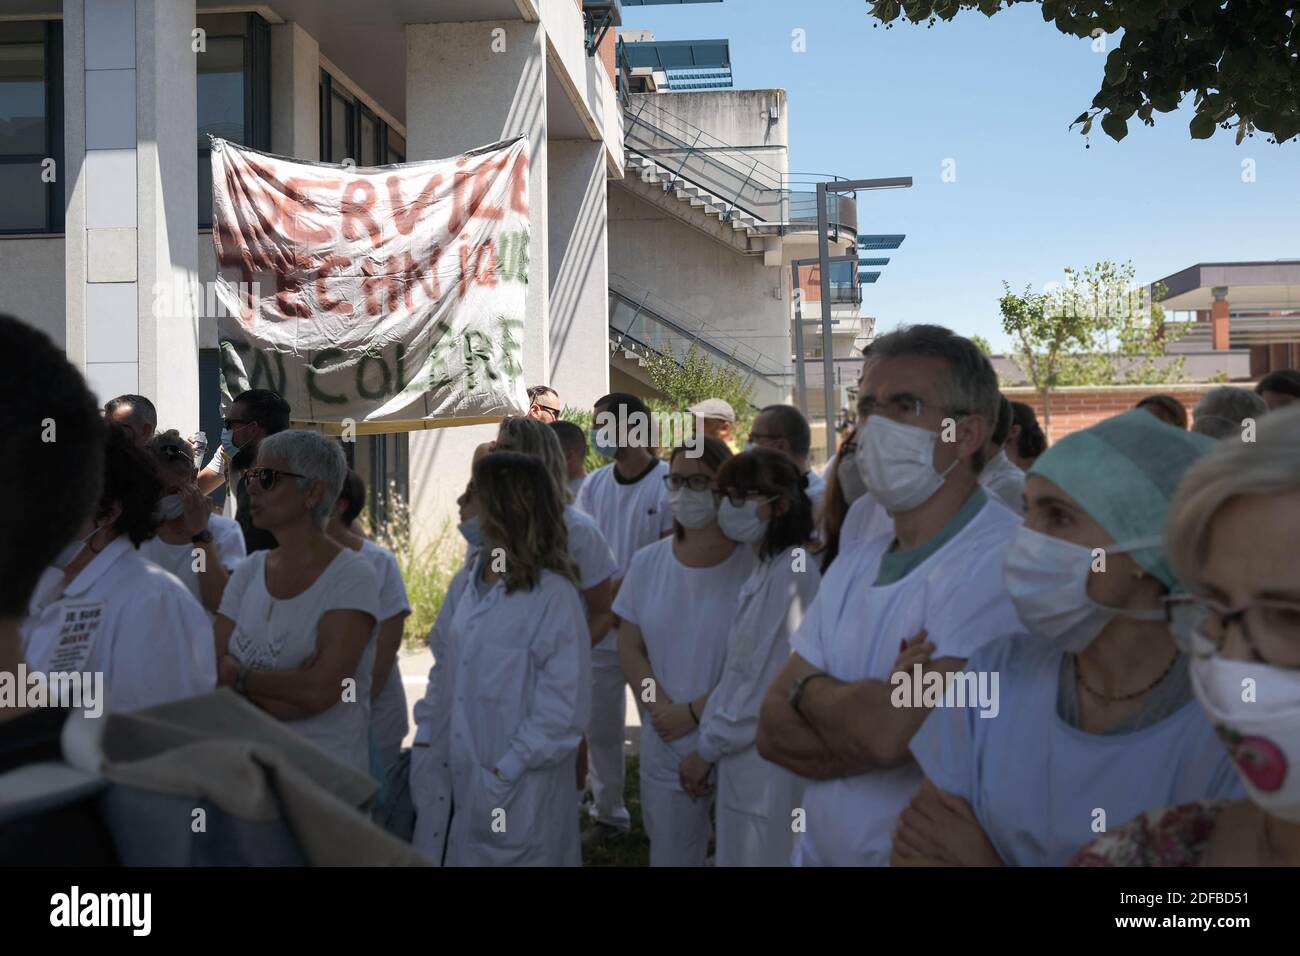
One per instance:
(105, 111)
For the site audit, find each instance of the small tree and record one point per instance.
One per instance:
(696, 378)
(982, 344)
(1097, 328)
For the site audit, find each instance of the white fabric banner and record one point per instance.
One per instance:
(390, 298)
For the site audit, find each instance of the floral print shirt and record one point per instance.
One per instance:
(1169, 836)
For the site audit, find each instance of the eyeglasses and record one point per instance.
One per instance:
(236, 422)
(267, 477)
(900, 408)
(693, 482)
(1269, 628)
(553, 412)
(738, 498)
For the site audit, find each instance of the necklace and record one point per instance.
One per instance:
(1108, 698)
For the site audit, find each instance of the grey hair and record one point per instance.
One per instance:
(971, 389)
(1269, 465)
(313, 456)
(538, 440)
(1221, 411)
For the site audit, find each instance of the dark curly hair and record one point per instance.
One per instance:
(772, 473)
(131, 481)
(1031, 442)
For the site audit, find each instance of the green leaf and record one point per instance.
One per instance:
(1116, 67)
(1201, 126)
(1114, 126)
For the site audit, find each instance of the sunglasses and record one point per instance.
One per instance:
(553, 412)
(267, 477)
(236, 422)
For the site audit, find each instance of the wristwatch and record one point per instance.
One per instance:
(203, 537)
(796, 691)
(241, 681)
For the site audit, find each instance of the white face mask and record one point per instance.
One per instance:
(1047, 580)
(849, 473)
(169, 507)
(1262, 734)
(897, 462)
(742, 524)
(693, 509)
(71, 550)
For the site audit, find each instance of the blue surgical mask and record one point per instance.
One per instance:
(228, 443)
(603, 449)
(472, 531)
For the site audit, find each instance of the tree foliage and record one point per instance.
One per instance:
(1098, 327)
(696, 378)
(1237, 58)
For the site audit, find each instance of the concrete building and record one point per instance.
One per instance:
(705, 225)
(105, 108)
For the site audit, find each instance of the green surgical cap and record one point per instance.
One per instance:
(1123, 472)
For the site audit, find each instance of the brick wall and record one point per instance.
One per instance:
(1075, 408)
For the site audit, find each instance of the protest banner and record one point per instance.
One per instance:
(387, 298)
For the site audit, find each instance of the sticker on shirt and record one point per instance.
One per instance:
(78, 628)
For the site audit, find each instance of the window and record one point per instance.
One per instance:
(31, 126)
(351, 130)
(234, 91)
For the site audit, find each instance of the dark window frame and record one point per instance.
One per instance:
(355, 110)
(54, 206)
(257, 93)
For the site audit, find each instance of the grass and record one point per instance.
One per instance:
(427, 568)
(633, 849)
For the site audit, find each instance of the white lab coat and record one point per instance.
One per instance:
(1005, 481)
(519, 703)
(146, 633)
(755, 798)
(853, 631)
(430, 775)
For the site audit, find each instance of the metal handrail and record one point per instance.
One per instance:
(691, 329)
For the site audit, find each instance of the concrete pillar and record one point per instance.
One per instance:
(467, 85)
(1219, 318)
(579, 271)
(295, 92)
(131, 251)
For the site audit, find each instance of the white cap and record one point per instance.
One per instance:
(714, 408)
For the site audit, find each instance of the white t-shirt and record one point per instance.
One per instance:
(866, 519)
(588, 548)
(853, 632)
(685, 616)
(179, 558)
(816, 489)
(388, 721)
(274, 634)
(630, 515)
(128, 619)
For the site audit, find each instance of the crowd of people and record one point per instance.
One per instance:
(952, 645)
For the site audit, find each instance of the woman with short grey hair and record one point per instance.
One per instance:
(296, 629)
(1224, 411)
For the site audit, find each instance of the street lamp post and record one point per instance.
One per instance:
(823, 260)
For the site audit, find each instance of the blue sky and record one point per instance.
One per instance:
(995, 95)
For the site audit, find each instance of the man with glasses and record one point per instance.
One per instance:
(783, 428)
(544, 404)
(930, 401)
(252, 416)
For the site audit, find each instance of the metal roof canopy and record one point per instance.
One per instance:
(1265, 284)
(662, 3)
(881, 242)
(670, 55)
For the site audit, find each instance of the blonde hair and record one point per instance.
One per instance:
(537, 439)
(521, 512)
(1270, 465)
